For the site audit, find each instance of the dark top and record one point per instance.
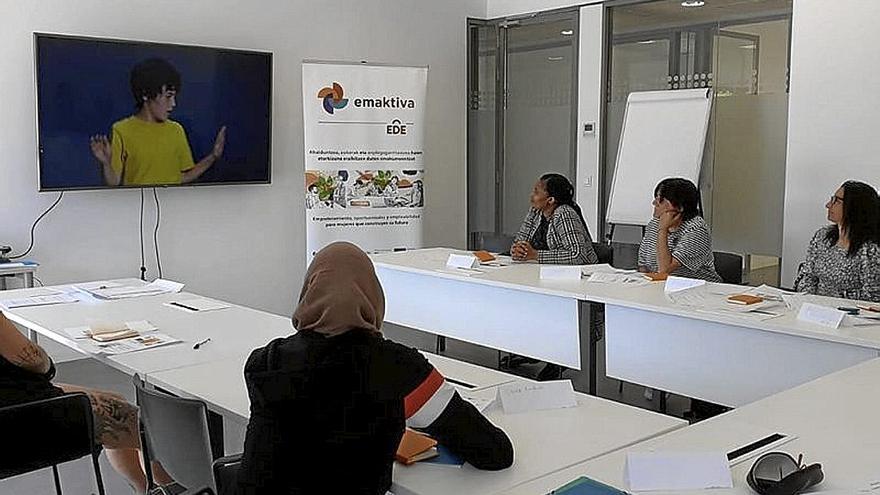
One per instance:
(18, 385)
(539, 238)
(327, 415)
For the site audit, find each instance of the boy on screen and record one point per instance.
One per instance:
(148, 148)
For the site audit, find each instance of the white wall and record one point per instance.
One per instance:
(507, 8)
(833, 113)
(240, 243)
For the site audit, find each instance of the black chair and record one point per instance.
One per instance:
(174, 431)
(46, 433)
(604, 252)
(729, 267)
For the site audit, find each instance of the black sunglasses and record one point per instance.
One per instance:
(777, 473)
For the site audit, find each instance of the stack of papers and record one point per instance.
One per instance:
(629, 279)
(115, 290)
(143, 336)
(705, 299)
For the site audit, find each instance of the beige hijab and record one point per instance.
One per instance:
(340, 293)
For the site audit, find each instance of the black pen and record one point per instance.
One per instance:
(199, 344)
(183, 306)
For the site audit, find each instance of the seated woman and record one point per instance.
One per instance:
(554, 230)
(843, 259)
(329, 404)
(677, 240)
(26, 373)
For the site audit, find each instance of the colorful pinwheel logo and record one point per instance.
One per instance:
(332, 98)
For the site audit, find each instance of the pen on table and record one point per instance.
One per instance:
(179, 305)
(203, 342)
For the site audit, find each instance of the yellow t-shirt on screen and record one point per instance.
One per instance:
(148, 153)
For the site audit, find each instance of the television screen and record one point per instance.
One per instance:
(114, 113)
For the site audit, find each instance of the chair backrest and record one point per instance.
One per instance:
(729, 267)
(490, 241)
(176, 435)
(46, 432)
(604, 252)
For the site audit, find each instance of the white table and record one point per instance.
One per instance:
(233, 331)
(649, 340)
(543, 442)
(226, 392)
(833, 420)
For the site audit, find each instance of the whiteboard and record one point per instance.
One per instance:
(663, 135)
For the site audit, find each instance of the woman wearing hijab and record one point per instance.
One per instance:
(329, 404)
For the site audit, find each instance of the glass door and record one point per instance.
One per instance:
(521, 117)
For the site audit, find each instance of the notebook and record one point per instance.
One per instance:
(415, 447)
(586, 486)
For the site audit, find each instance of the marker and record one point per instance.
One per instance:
(199, 344)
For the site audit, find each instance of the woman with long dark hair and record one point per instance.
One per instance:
(554, 230)
(843, 259)
(677, 240)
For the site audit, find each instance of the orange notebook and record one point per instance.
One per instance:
(415, 447)
(484, 256)
(744, 299)
(656, 277)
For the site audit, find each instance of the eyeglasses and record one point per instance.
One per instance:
(835, 199)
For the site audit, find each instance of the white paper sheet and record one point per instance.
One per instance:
(200, 304)
(651, 471)
(134, 344)
(46, 300)
(518, 397)
(820, 315)
(675, 284)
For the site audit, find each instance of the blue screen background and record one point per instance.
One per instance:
(83, 88)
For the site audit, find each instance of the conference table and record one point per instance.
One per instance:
(725, 358)
(214, 373)
(544, 440)
(831, 420)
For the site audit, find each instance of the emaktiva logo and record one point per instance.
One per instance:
(332, 100)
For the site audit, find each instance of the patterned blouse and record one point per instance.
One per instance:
(567, 240)
(690, 244)
(829, 271)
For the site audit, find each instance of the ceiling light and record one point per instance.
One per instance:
(555, 59)
(693, 3)
(747, 47)
(567, 32)
(647, 42)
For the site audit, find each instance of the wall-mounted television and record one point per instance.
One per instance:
(115, 113)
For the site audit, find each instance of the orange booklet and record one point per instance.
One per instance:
(656, 277)
(484, 256)
(744, 299)
(415, 447)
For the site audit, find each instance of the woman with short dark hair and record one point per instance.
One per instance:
(677, 240)
(843, 259)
